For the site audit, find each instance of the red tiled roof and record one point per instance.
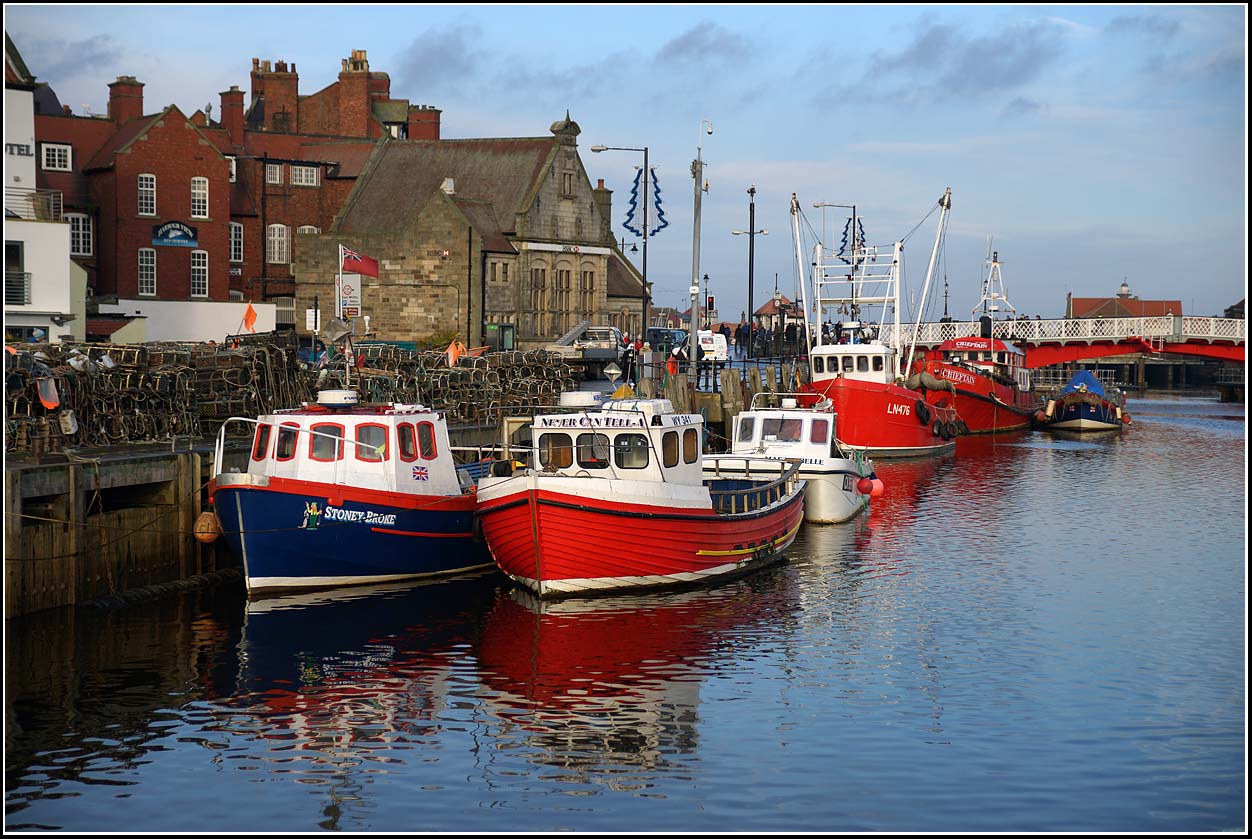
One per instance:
(1122, 307)
(105, 327)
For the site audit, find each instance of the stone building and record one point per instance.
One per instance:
(502, 241)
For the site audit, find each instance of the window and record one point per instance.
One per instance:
(746, 426)
(371, 442)
(862, 364)
(669, 448)
(57, 157)
(630, 451)
(406, 440)
(593, 451)
(818, 364)
(308, 228)
(567, 183)
(847, 364)
(817, 434)
(236, 242)
(147, 195)
(199, 197)
(199, 273)
(878, 362)
(556, 451)
(262, 443)
(147, 271)
(326, 448)
(782, 430)
(233, 170)
(273, 173)
(276, 244)
(426, 440)
(80, 234)
(691, 445)
(285, 448)
(305, 175)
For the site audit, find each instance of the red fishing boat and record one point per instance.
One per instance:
(616, 499)
(990, 384)
(862, 376)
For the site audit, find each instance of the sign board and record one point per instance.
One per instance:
(349, 295)
(313, 320)
(174, 234)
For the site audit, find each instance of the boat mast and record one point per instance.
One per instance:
(804, 297)
(945, 204)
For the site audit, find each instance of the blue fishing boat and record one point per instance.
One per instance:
(337, 494)
(1085, 405)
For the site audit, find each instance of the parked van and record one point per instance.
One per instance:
(713, 346)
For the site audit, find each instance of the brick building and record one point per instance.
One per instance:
(173, 207)
(483, 237)
(1123, 305)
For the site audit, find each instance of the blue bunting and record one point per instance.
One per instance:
(860, 238)
(631, 224)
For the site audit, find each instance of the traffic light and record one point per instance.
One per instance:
(710, 307)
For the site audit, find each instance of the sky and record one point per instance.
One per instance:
(1092, 145)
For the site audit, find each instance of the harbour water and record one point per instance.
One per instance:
(1039, 633)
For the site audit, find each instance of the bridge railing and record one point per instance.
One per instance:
(1172, 327)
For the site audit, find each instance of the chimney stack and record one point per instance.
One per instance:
(125, 99)
(232, 114)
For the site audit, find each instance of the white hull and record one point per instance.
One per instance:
(830, 493)
(1085, 425)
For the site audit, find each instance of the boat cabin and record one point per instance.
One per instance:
(627, 439)
(393, 448)
(871, 362)
(989, 356)
(782, 433)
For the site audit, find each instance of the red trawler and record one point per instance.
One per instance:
(861, 376)
(993, 391)
(616, 499)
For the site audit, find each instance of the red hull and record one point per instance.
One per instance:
(985, 405)
(556, 543)
(886, 420)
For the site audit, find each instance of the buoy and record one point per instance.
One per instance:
(1040, 416)
(208, 528)
(865, 486)
(879, 486)
(1126, 419)
(1051, 408)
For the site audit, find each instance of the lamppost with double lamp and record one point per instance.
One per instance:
(697, 173)
(752, 233)
(647, 181)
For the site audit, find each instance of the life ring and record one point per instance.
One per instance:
(923, 413)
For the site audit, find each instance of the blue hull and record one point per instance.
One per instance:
(293, 540)
(1083, 416)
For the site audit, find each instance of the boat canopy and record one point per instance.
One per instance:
(1084, 377)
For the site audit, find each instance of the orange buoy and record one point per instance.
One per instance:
(208, 528)
(879, 486)
(865, 486)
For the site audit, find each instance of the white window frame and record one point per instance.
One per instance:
(200, 190)
(306, 175)
(308, 228)
(273, 173)
(200, 273)
(236, 242)
(231, 160)
(52, 163)
(151, 274)
(82, 242)
(151, 195)
(273, 242)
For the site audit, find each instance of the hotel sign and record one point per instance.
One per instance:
(174, 234)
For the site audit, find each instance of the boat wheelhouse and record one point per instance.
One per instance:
(617, 499)
(336, 493)
(838, 482)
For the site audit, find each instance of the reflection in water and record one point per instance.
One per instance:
(595, 685)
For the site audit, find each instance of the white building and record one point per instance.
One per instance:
(45, 292)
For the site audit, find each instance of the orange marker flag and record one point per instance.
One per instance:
(249, 318)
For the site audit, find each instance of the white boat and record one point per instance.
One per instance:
(838, 481)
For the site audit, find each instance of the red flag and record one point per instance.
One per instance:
(249, 318)
(355, 263)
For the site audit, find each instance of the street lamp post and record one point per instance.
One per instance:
(647, 180)
(697, 172)
(752, 233)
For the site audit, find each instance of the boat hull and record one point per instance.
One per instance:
(886, 420)
(558, 543)
(292, 534)
(985, 405)
(830, 492)
(1085, 416)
